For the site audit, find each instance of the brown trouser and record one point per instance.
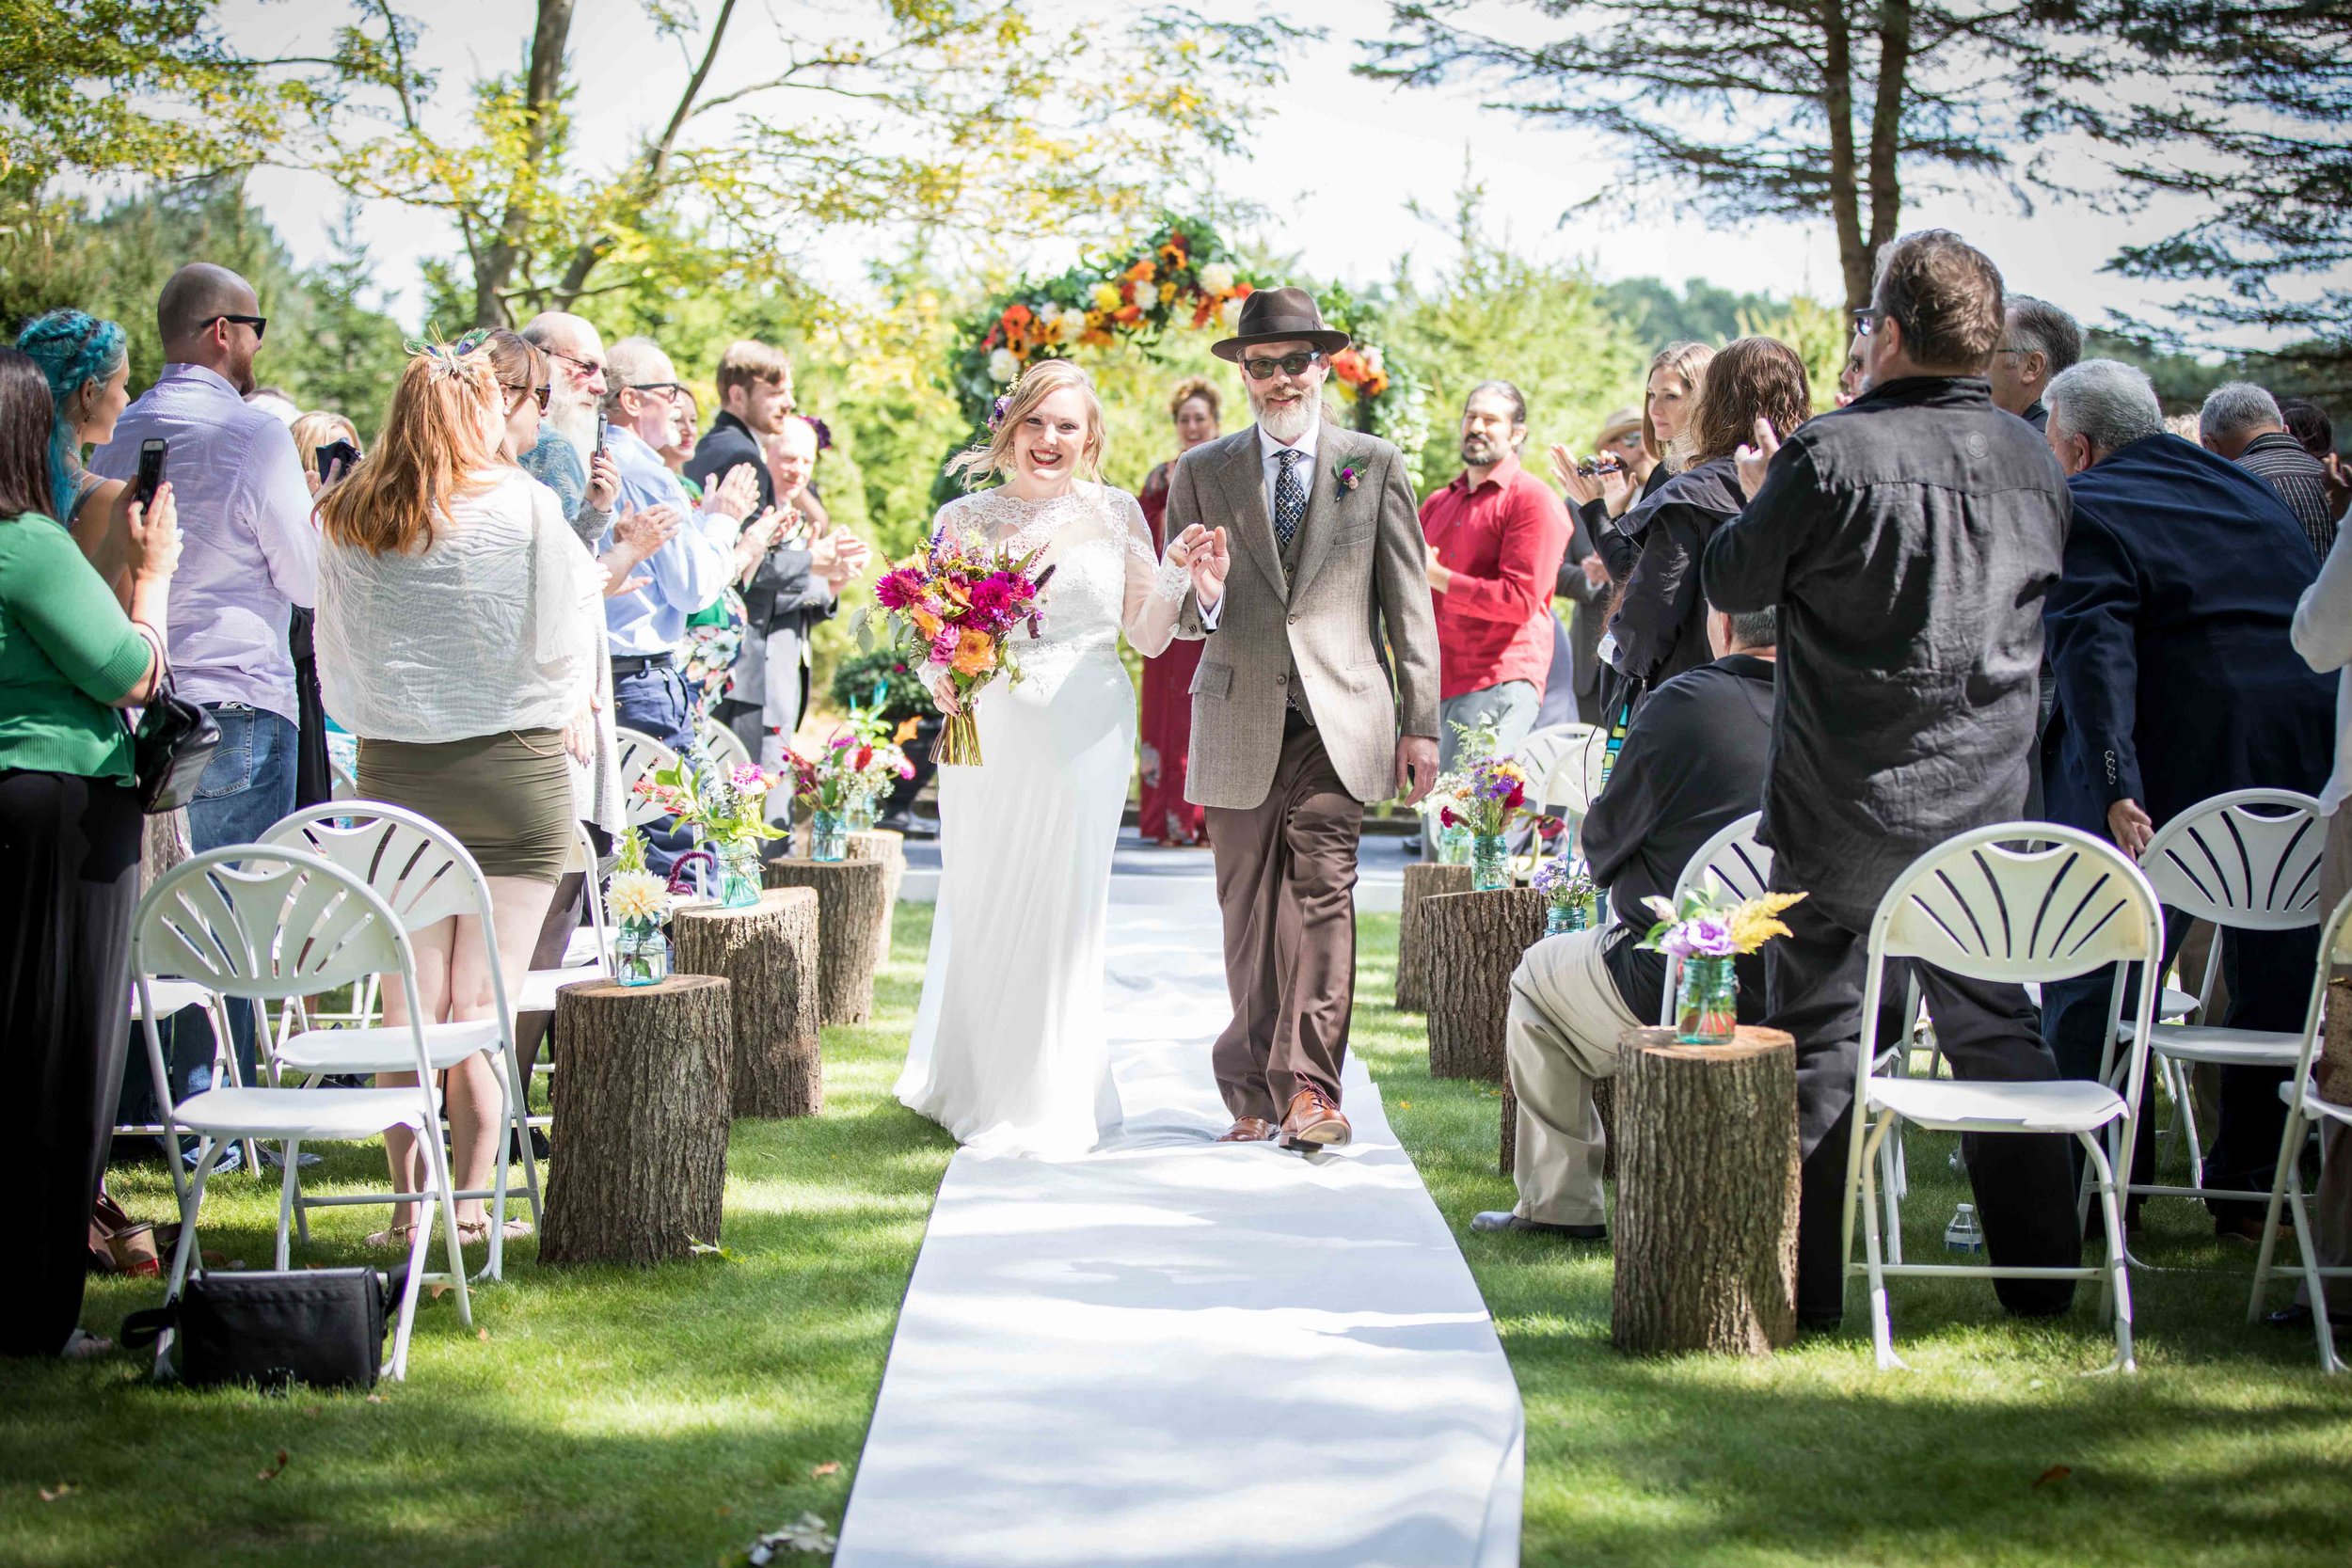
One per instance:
(1286, 883)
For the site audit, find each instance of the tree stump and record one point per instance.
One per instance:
(1706, 1195)
(1604, 1103)
(767, 955)
(851, 906)
(1421, 879)
(1470, 941)
(639, 1172)
(890, 848)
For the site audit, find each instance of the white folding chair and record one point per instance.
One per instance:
(638, 754)
(2306, 1110)
(423, 876)
(264, 923)
(2243, 870)
(2018, 901)
(726, 747)
(172, 996)
(1573, 778)
(1738, 863)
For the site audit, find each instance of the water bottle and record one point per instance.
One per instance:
(1964, 1234)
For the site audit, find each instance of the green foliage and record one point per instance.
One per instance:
(856, 678)
(1820, 333)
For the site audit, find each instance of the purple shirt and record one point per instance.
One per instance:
(248, 551)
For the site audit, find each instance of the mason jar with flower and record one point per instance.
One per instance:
(1704, 933)
(638, 902)
(1494, 791)
(826, 784)
(728, 809)
(1567, 889)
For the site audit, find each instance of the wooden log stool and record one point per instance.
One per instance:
(850, 908)
(1604, 1104)
(889, 846)
(1421, 879)
(1470, 943)
(767, 952)
(639, 1172)
(1706, 1195)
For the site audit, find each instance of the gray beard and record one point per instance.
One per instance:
(576, 423)
(1287, 426)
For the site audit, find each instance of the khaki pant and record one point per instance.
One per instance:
(1565, 1017)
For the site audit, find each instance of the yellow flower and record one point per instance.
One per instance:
(1167, 293)
(1758, 921)
(1106, 297)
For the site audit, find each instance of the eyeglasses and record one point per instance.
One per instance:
(669, 389)
(259, 324)
(1289, 364)
(515, 396)
(586, 367)
(1865, 321)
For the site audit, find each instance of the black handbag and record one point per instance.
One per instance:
(321, 1326)
(172, 744)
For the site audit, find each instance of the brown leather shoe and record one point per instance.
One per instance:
(1314, 1122)
(1248, 1129)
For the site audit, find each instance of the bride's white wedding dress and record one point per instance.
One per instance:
(1009, 1052)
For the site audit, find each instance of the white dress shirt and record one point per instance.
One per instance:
(1270, 463)
(688, 574)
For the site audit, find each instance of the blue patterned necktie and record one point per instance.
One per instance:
(1289, 497)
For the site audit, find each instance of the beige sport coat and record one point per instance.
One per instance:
(1347, 626)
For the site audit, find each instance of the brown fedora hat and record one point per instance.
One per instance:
(1280, 316)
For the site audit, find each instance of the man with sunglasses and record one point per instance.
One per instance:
(1316, 695)
(252, 557)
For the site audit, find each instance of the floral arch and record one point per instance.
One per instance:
(1182, 278)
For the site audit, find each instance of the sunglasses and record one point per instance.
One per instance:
(259, 324)
(1865, 321)
(516, 394)
(586, 367)
(1289, 364)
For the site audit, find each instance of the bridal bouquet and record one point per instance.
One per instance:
(955, 607)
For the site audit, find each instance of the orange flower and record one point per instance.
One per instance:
(928, 623)
(1167, 293)
(906, 731)
(1173, 254)
(976, 654)
(1128, 315)
(1349, 366)
(1378, 384)
(1017, 314)
(1141, 272)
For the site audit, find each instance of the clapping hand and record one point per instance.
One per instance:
(738, 493)
(850, 556)
(646, 531)
(1203, 552)
(1755, 459)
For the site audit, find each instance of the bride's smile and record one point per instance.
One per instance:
(1051, 440)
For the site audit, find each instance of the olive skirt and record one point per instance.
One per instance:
(507, 797)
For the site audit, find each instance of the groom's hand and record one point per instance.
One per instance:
(1208, 559)
(1416, 766)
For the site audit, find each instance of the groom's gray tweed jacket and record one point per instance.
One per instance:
(1344, 625)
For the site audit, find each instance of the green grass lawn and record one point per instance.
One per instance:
(670, 1416)
(2228, 1448)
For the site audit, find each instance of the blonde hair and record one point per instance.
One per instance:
(1195, 386)
(1687, 363)
(318, 428)
(441, 434)
(993, 458)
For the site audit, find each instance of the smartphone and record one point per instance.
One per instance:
(333, 453)
(600, 430)
(151, 453)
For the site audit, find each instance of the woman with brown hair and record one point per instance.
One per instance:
(1164, 815)
(458, 635)
(1660, 628)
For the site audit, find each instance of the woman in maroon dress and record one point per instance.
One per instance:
(1165, 816)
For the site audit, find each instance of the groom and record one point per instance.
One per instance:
(1316, 694)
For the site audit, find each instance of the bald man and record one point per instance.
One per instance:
(252, 557)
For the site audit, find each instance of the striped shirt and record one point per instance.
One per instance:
(2280, 461)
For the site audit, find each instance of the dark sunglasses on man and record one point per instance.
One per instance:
(259, 324)
(1289, 364)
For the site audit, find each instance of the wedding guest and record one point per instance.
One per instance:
(1659, 629)
(1584, 576)
(569, 456)
(2308, 422)
(70, 827)
(1163, 816)
(87, 363)
(314, 773)
(2241, 421)
(1693, 763)
(1907, 540)
(252, 559)
(436, 529)
(2177, 681)
(1496, 535)
(2038, 341)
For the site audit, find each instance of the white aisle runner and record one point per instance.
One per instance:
(1175, 1352)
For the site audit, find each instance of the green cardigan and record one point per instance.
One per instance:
(68, 653)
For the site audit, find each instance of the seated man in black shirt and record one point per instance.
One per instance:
(1693, 763)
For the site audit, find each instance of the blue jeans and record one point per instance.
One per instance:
(654, 702)
(246, 787)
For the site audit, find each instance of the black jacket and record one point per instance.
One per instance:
(2176, 677)
(783, 594)
(1693, 763)
(1661, 623)
(1909, 540)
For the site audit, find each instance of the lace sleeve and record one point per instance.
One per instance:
(1155, 588)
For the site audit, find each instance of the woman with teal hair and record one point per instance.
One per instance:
(88, 363)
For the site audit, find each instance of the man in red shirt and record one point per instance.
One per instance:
(1496, 538)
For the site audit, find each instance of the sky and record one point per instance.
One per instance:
(1340, 163)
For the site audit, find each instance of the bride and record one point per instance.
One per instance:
(1009, 1052)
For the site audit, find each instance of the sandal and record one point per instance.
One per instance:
(397, 1236)
(470, 1232)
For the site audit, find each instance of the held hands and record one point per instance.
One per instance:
(2130, 827)
(1754, 459)
(1204, 554)
(155, 531)
(1416, 766)
(604, 482)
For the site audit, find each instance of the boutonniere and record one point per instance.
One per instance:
(1348, 474)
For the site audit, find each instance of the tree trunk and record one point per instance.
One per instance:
(1706, 1195)
(850, 908)
(890, 848)
(638, 1173)
(1604, 1104)
(767, 955)
(1422, 880)
(1471, 943)
(542, 88)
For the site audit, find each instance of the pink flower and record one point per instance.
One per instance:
(745, 776)
(899, 588)
(944, 647)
